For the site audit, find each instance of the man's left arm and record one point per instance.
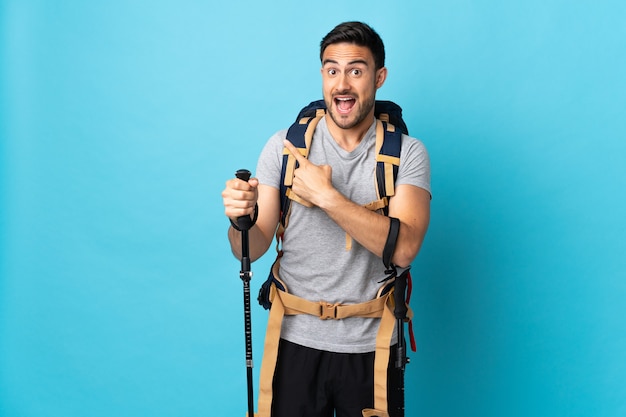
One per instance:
(410, 205)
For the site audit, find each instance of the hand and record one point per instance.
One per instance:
(240, 197)
(310, 182)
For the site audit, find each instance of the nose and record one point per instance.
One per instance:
(343, 83)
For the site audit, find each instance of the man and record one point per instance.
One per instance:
(326, 366)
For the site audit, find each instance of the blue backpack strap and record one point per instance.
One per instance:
(388, 147)
(300, 134)
(388, 152)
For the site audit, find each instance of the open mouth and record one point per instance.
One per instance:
(344, 104)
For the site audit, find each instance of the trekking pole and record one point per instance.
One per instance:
(400, 312)
(245, 223)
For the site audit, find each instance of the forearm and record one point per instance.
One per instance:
(371, 229)
(258, 242)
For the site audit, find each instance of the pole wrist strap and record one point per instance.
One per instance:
(245, 222)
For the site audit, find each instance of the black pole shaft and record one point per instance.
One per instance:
(245, 274)
(401, 361)
(247, 317)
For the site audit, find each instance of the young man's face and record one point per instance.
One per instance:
(349, 84)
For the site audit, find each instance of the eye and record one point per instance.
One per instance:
(332, 71)
(356, 72)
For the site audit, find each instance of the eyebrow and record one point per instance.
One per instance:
(356, 61)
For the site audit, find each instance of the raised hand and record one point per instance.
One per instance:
(311, 182)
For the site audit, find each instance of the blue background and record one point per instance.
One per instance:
(121, 121)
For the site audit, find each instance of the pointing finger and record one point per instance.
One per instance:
(294, 151)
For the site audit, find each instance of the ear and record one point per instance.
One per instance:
(381, 76)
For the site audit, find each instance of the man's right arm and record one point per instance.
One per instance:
(240, 199)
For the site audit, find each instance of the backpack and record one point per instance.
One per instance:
(389, 130)
(388, 149)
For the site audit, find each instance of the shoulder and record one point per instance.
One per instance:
(278, 137)
(274, 143)
(270, 160)
(413, 145)
(414, 163)
(413, 151)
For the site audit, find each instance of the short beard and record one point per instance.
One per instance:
(359, 117)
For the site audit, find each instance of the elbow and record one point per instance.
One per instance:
(404, 255)
(407, 249)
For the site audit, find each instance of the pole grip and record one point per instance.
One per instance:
(244, 222)
(243, 174)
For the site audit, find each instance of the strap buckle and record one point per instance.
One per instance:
(328, 310)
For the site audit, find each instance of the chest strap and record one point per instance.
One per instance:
(284, 304)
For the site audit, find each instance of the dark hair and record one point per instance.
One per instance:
(357, 33)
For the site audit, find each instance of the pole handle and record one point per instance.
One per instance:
(243, 174)
(244, 222)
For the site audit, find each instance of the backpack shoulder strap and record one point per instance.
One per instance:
(300, 134)
(388, 147)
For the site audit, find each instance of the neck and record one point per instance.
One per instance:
(349, 139)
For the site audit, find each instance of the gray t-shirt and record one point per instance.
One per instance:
(316, 264)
